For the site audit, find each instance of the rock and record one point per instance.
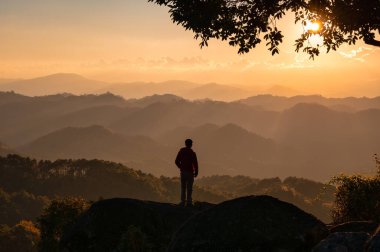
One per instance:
(254, 223)
(112, 223)
(373, 244)
(343, 242)
(356, 226)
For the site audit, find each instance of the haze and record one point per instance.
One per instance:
(130, 41)
(116, 80)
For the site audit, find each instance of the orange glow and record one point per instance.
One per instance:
(313, 27)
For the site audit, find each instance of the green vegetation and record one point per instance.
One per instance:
(313, 197)
(134, 240)
(357, 197)
(17, 206)
(59, 192)
(246, 24)
(56, 218)
(90, 179)
(23, 236)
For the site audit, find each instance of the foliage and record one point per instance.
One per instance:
(92, 179)
(245, 23)
(313, 197)
(357, 198)
(24, 236)
(377, 163)
(58, 217)
(17, 206)
(134, 240)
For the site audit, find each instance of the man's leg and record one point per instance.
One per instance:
(190, 183)
(183, 189)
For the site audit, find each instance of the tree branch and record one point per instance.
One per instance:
(372, 41)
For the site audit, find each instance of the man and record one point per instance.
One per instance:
(187, 162)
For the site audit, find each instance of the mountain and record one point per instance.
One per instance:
(76, 84)
(12, 97)
(26, 118)
(96, 142)
(149, 100)
(308, 139)
(279, 103)
(137, 90)
(223, 150)
(322, 142)
(158, 118)
(227, 149)
(279, 90)
(5, 81)
(53, 84)
(5, 150)
(216, 92)
(26, 184)
(187, 90)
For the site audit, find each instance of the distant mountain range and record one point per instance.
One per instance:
(279, 103)
(53, 84)
(184, 89)
(5, 150)
(77, 85)
(96, 142)
(223, 150)
(311, 140)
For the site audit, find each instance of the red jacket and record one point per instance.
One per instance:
(187, 160)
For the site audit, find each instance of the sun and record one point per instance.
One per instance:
(313, 27)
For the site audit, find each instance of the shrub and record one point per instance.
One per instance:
(357, 198)
(134, 240)
(24, 236)
(56, 218)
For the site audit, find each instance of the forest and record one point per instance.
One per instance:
(28, 186)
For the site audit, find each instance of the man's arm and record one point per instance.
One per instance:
(178, 160)
(195, 165)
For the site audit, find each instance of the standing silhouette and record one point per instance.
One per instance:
(187, 162)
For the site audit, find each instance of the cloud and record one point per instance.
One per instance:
(358, 54)
(172, 64)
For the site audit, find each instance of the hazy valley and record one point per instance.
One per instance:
(260, 136)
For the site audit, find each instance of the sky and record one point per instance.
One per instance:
(133, 40)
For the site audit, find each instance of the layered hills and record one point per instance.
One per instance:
(76, 84)
(309, 139)
(96, 142)
(25, 183)
(5, 150)
(279, 103)
(53, 84)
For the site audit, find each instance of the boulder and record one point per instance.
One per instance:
(127, 225)
(373, 244)
(253, 223)
(343, 242)
(356, 226)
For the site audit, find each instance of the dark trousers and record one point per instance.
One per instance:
(187, 180)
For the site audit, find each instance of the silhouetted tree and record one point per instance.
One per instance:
(244, 23)
(134, 240)
(56, 218)
(357, 198)
(24, 236)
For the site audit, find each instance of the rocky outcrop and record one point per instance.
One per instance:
(355, 236)
(127, 225)
(356, 226)
(254, 223)
(343, 241)
(373, 244)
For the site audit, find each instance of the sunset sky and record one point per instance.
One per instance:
(133, 40)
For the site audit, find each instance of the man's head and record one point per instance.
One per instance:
(189, 143)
